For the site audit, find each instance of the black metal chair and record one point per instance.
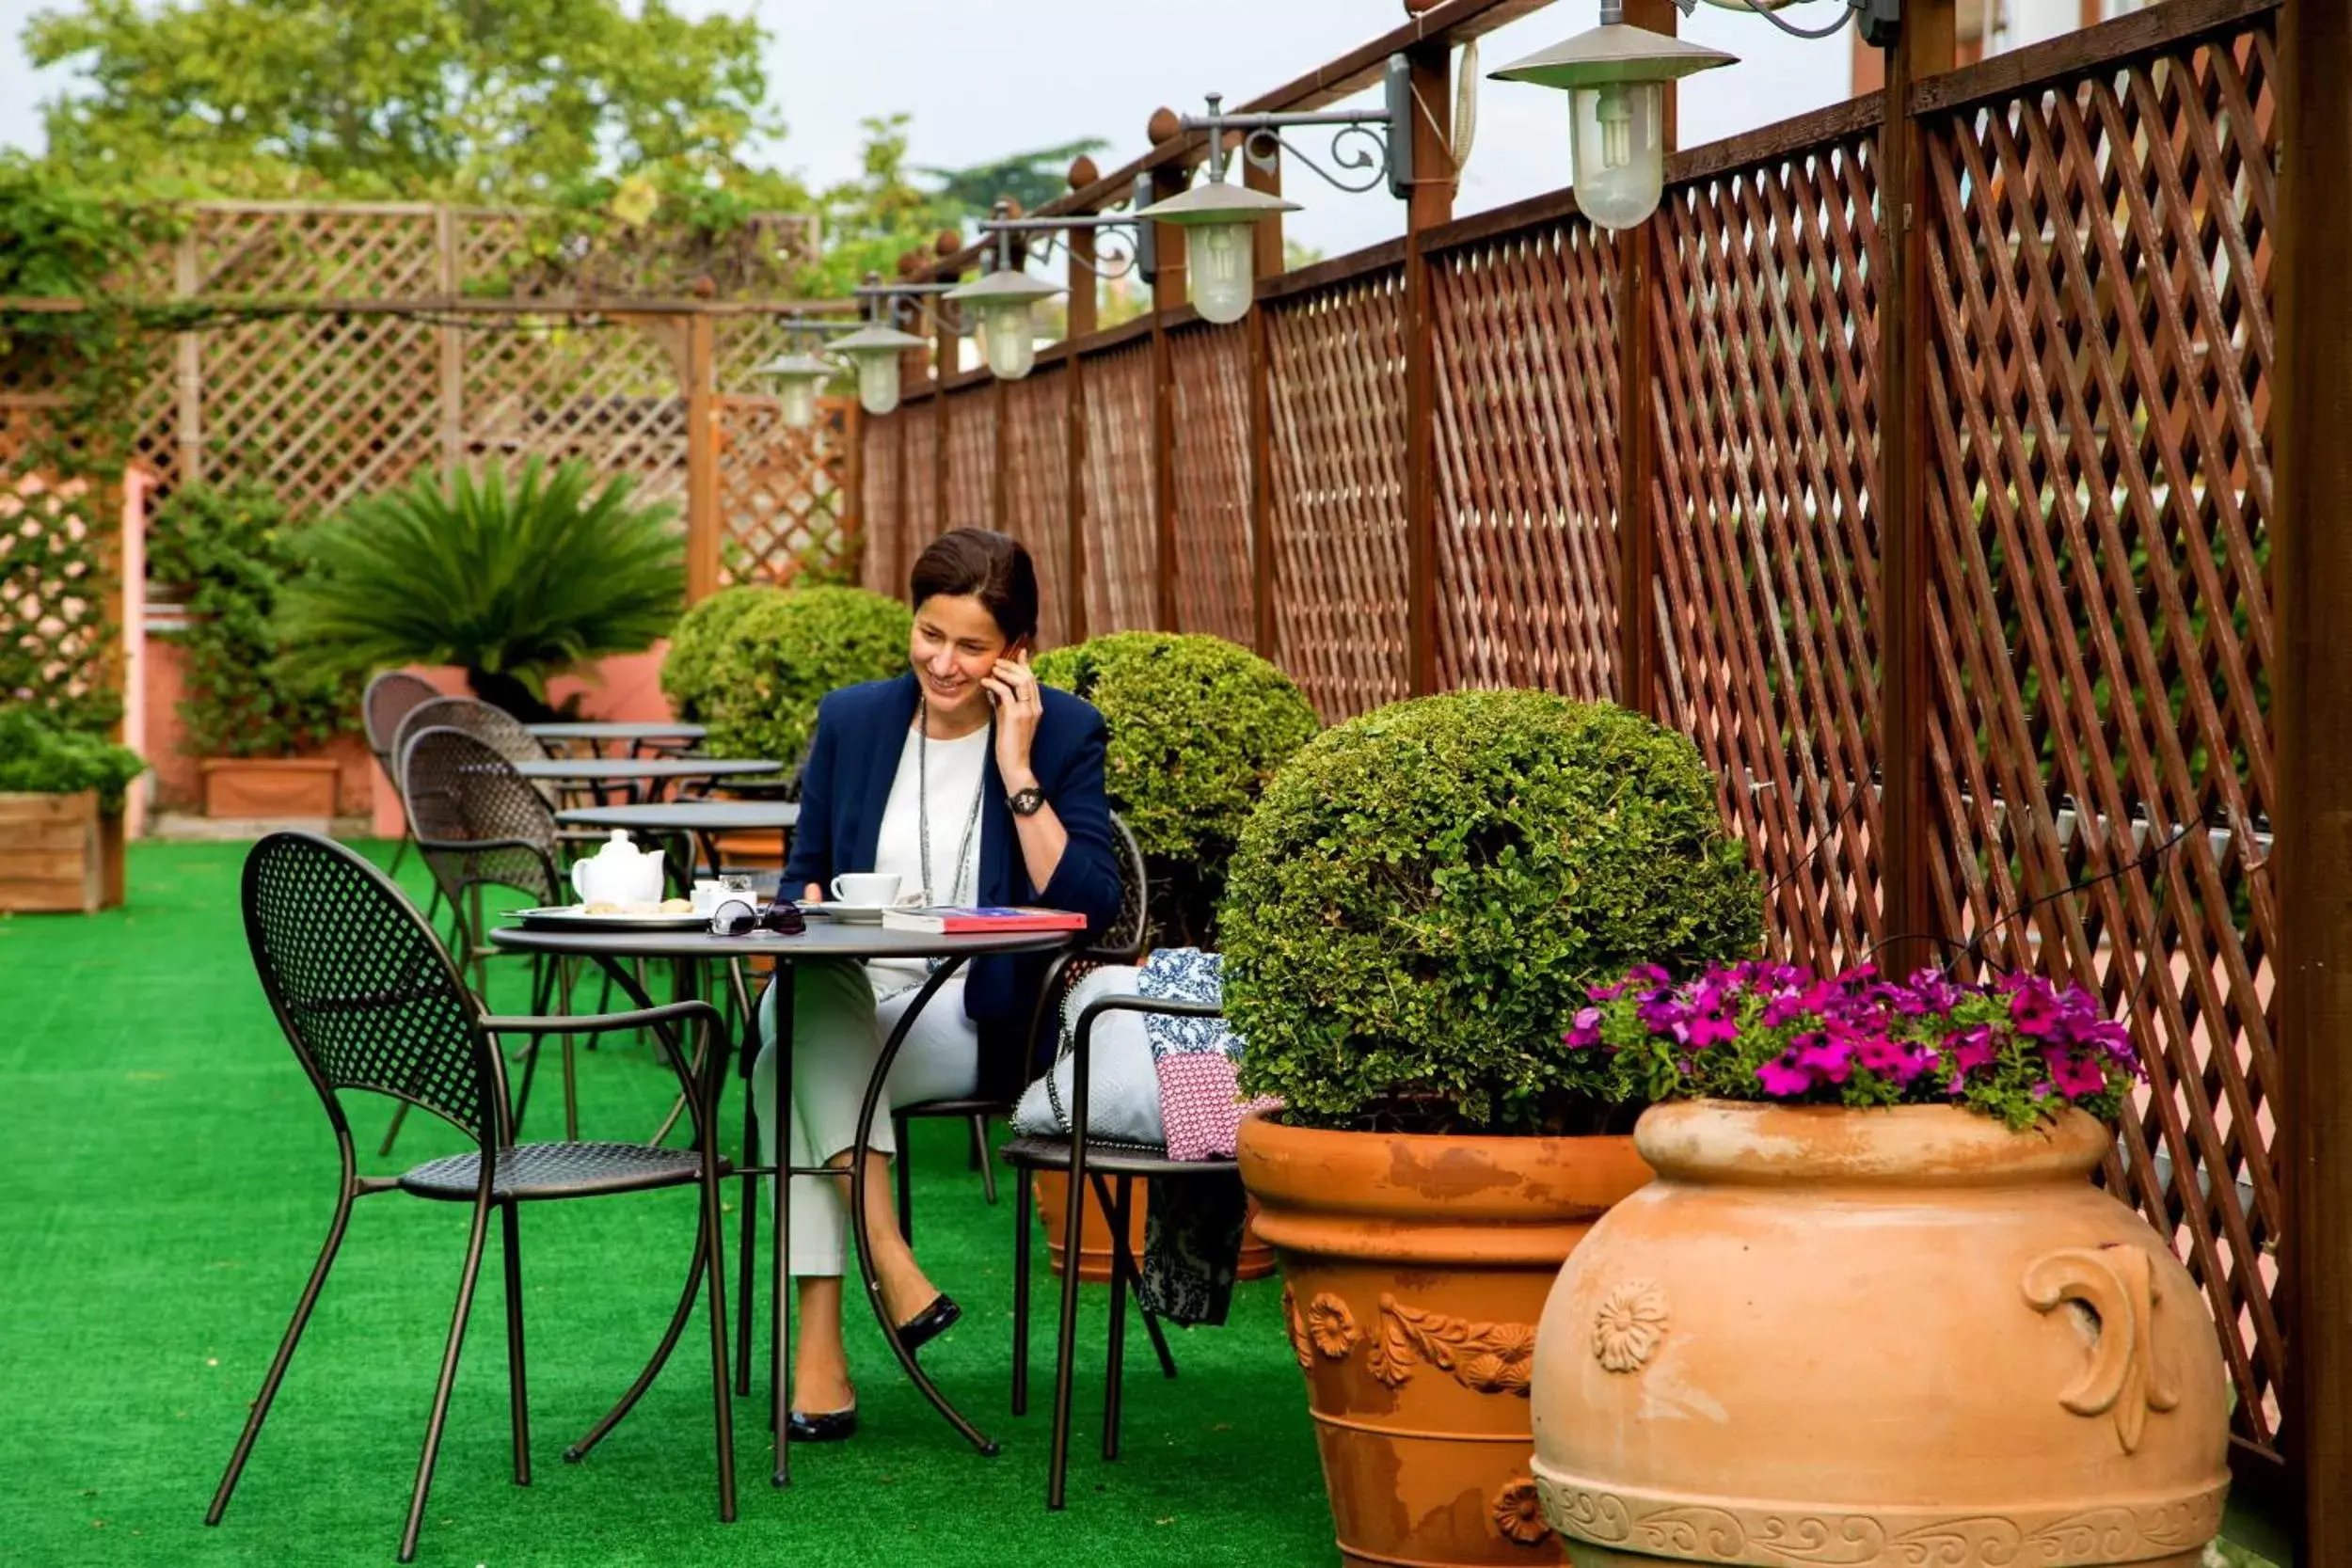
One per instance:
(389, 698)
(1087, 1163)
(371, 1001)
(1122, 942)
(480, 824)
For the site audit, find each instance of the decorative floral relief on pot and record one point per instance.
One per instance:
(1627, 1328)
(1518, 1511)
(2116, 1289)
(1327, 1325)
(1489, 1358)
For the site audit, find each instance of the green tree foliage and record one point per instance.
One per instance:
(231, 553)
(522, 101)
(1031, 179)
(874, 219)
(513, 581)
(1425, 891)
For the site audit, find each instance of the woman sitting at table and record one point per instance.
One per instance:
(975, 785)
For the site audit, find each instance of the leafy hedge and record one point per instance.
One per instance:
(41, 756)
(1198, 725)
(230, 554)
(753, 663)
(1419, 904)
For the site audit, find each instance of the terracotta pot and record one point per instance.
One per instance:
(268, 788)
(1415, 1269)
(59, 853)
(1891, 1337)
(1094, 1241)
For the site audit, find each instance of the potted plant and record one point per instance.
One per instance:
(1420, 901)
(1874, 1301)
(1197, 727)
(257, 719)
(514, 581)
(753, 663)
(61, 814)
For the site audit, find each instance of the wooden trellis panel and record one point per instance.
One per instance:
(1122, 552)
(355, 250)
(1338, 514)
(1766, 511)
(781, 501)
(971, 416)
(919, 515)
(608, 396)
(1527, 460)
(1036, 488)
(2100, 507)
(883, 509)
(1208, 367)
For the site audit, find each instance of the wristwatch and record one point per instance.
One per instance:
(1027, 802)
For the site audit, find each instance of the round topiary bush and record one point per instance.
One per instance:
(1420, 900)
(1198, 726)
(753, 663)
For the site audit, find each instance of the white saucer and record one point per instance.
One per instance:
(853, 914)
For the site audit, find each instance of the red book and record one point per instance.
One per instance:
(962, 920)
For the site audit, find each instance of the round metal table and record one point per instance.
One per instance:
(634, 735)
(702, 820)
(824, 939)
(599, 772)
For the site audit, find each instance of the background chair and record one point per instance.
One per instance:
(371, 1001)
(1122, 942)
(1092, 1162)
(389, 699)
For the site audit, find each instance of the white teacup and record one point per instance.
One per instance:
(706, 894)
(867, 887)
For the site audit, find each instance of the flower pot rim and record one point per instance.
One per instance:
(1760, 1143)
(1477, 1140)
(299, 764)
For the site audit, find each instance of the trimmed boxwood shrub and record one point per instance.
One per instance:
(1198, 725)
(41, 756)
(1422, 897)
(753, 663)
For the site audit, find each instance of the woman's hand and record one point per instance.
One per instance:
(1013, 689)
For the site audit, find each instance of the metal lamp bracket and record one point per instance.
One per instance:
(1366, 145)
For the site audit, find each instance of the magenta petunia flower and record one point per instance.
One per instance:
(1783, 1078)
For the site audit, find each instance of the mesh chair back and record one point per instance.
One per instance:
(493, 726)
(460, 791)
(1126, 936)
(364, 990)
(392, 697)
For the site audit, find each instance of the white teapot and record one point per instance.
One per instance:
(619, 873)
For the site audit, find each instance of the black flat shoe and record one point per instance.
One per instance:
(929, 1323)
(833, 1426)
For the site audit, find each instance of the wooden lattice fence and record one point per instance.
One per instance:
(2094, 321)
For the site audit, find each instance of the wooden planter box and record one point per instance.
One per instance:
(270, 787)
(59, 853)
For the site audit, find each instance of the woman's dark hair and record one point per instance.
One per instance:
(992, 567)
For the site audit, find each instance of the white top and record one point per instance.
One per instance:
(957, 772)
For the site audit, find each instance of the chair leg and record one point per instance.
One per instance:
(1065, 1340)
(571, 1092)
(982, 1163)
(1124, 1259)
(285, 1354)
(518, 1413)
(1115, 1352)
(391, 1130)
(447, 1381)
(1021, 1292)
(627, 1402)
(903, 1169)
(747, 1244)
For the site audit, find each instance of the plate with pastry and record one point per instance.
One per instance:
(670, 915)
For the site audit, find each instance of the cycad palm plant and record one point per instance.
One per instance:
(513, 581)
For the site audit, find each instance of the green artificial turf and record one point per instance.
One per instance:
(165, 1183)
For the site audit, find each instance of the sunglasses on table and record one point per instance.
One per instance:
(737, 917)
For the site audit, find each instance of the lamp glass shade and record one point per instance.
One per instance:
(1222, 257)
(1009, 338)
(798, 396)
(878, 381)
(1620, 155)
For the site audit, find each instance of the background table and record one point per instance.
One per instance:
(597, 772)
(704, 820)
(597, 733)
(824, 939)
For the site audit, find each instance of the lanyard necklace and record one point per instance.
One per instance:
(922, 808)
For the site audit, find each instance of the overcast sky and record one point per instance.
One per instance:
(989, 78)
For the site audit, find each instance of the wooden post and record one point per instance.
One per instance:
(896, 563)
(1081, 305)
(188, 364)
(1265, 633)
(1906, 910)
(946, 359)
(1637, 426)
(853, 485)
(1080, 324)
(702, 463)
(1268, 253)
(1428, 206)
(450, 342)
(1168, 293)
(2310, 580)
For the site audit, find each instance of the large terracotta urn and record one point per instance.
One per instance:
(1414, 1268)
(1907, 1337)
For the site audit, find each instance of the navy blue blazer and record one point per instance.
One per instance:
(861, 731)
